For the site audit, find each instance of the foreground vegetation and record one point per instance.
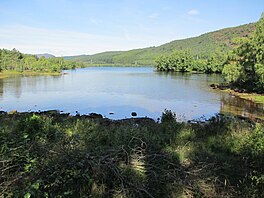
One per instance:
(57, 155)
(13, 60)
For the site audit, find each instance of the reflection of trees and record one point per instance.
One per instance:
(11, 85)
(182, 76)
(17, 87)
(187, 78)
(214, 78)
(1, 88)
(175, 75)
(242, 107)
(163, 74)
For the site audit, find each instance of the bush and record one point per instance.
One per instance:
(232, 72)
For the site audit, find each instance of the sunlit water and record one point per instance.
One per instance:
(116, 92)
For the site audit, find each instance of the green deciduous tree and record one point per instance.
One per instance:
(249, 56)
(14, 60)
(177, 61)
(232, 72)
(183, 61)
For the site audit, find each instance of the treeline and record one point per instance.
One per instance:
(243, 67)
(183, 61)
(16, 61)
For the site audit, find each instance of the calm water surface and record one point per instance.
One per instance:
(116, 92)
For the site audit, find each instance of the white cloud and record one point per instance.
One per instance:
(154, 15)
(193, 12)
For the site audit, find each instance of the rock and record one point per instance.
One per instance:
(65, 114)
(241, 117)
(214, 86)
(236, 90)
(134, 113)
(95, 116)
(51, 112)
(12, 112)
(2, 113)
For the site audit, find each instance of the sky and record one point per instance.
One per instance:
(74, 27)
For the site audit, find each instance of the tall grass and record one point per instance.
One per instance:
(53, 155)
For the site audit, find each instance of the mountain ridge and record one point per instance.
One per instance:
(45, 55)
(201, 46)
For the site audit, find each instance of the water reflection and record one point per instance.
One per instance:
(16, 84)
(237, 106)
(1, 88)
(121, 91)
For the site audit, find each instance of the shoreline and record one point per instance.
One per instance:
(101, 117)
(7, 73)
(253, 97)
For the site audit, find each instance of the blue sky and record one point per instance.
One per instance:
(71, 27)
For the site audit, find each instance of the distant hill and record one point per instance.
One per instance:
(199, 46)
(45, 55)
(100, 58)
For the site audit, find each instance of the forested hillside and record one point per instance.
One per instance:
(201, 46)
(243, 66)
(100, 58)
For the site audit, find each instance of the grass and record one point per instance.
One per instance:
(8, 73)
(257, 98)
(254, 97)
(57, 155)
